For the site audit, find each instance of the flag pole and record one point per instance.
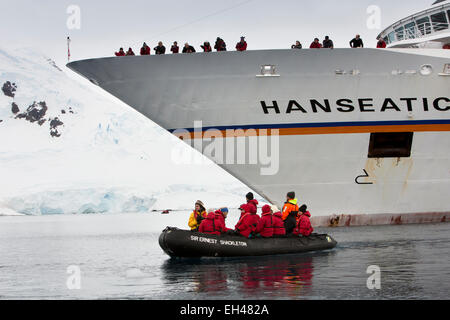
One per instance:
(68, 49)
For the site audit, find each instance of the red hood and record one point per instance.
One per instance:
(278, 214)
(254, 201)
(307, 214)
(211, 216)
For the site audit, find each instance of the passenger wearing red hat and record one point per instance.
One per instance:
(265, 224)
(212, 224)
(248, 222)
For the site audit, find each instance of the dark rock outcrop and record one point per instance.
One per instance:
(35, 113)
(54, 124)
(9, 89)
(15, 108)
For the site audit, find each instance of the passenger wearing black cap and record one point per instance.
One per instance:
(291, 205)
(252, 202)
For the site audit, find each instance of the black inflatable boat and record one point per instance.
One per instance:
(188, 244)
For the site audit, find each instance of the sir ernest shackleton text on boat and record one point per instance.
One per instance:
(361, 105)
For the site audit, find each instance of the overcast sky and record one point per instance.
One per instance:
(107, 25)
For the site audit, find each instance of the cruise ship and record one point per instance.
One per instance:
(361, 135)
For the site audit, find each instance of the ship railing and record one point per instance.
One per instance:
(420, 31)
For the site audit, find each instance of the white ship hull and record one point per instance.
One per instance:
(324, 105)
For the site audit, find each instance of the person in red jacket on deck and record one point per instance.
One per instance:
(241, 45)
(381, 44)
(130, 52)
(304, 227)
(145, 50)
(316, 44)
(278, 223)
(121, 53)
(212, 224)
(175, 48)
(265, 224)
(247, 224)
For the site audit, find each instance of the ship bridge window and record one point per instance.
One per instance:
(424, 25)
(391, 37)
(410, 30)
(439, 21)
(400, 33)
(390, 145)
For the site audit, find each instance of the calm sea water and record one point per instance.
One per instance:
(118, 257)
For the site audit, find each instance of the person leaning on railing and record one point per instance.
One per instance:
(357, 42)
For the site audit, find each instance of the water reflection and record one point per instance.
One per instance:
(271, 277)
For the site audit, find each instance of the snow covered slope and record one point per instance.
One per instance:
(66, 149)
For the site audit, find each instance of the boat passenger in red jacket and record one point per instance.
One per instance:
(265, 224)
(304, 227)
(252, 202)
(223, 213)
(212, 224)
(247, 224)
(278, 223)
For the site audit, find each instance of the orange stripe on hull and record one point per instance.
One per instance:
(319, 130)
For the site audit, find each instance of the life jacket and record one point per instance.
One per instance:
(381, 44)
(206, 48)
(145, 51)
(290, 206)
(253, 205)
(241, 46)
(222, 219)
(212, 225)
(278, 225)
(247, 224)
(304, 225)
(265, 225)
(193, 223)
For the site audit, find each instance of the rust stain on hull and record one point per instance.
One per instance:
(380, 219)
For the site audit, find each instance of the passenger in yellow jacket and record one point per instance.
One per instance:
(197, 216)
